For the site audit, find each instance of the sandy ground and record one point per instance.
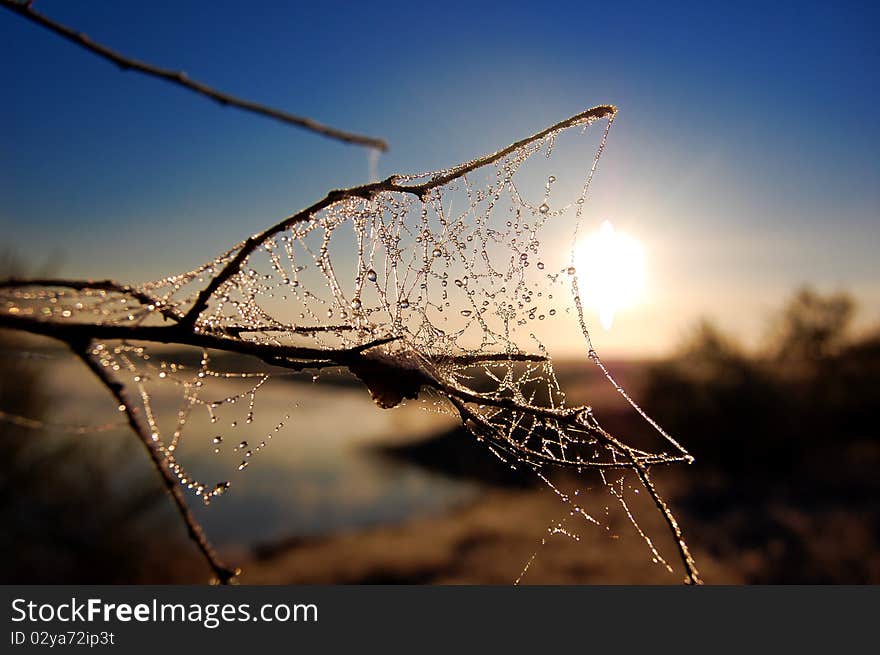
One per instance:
(486, 542)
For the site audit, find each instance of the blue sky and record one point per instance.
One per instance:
(745, 155)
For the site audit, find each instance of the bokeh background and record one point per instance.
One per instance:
(744, 159)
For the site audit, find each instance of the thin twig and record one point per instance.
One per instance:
(637, 462)
(368, 192)
(489, 431)
(181, 79)
(693, 575)
(196, 533)
(237, 330)
(483, 358)
(178, 335)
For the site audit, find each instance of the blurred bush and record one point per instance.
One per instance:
(785, 483)
(810, 385)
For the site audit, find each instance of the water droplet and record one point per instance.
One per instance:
(371, 275)
(544, 208)
(242, 466)
(437, 252)
(356, 303)
(466, 312)
(571, 270)
(217, 439)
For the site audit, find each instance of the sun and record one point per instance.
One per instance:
(611, 272)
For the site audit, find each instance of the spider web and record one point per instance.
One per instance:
(449, 290)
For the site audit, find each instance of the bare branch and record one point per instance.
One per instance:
(237, 330)
(489, 431)
(592, 114)
(637, 460)
(181, 79)
(368, 192)
(196, 533)
(482, 358)
(180, 335)
(693, 576)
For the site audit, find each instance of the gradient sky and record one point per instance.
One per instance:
(746, 155)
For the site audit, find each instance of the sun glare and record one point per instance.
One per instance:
(611, 272)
